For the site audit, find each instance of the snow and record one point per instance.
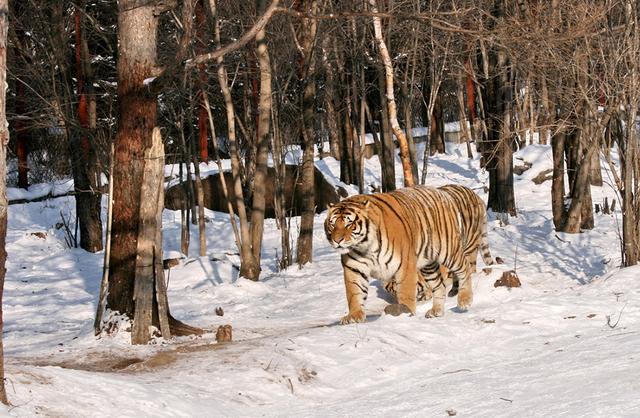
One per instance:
(564, 344)
(38, 191)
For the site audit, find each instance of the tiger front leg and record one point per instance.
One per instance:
(406, 282)
(357, 287)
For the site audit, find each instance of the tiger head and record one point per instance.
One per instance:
(347, 224)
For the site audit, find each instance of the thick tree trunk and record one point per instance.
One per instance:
(136, 286)
(578, 212)
(4, 140)
(497, 101)
(149, 273)
(137, 118)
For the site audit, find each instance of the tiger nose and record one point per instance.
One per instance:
(338, 240)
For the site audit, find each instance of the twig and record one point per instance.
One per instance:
(619, 316)
(102, 299)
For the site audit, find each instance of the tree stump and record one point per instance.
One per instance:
(223, 334)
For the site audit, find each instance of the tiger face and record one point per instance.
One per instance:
(346, 226)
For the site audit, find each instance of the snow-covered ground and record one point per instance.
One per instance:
(564, 344)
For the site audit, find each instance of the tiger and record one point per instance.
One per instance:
(395, 236)
(474, 232)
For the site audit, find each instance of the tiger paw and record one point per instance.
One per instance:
(464, 301)
(434, 313)
(353, 317)
(396, 309)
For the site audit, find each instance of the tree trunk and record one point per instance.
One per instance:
(136, 286)
(137, 118)
(497, 102)
(408, 123)
(436, 128)
(84, 159)
(464, 128)
(244, 242)
(149, 274)
(200, 199)
(329, 98)
(251, 271)
(557, 183)
(200, 48)
(630, 194)
(387, 150)
(391, 102)
(4, 140)
(576, 217)
(307, 73)
(22, 137)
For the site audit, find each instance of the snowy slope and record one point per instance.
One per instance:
(564, 344)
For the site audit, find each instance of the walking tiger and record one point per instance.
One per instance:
(403, 238)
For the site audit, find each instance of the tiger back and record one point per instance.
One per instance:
(473, 214)
(391, 237)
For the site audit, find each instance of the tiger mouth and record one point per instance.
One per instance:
(341, 248)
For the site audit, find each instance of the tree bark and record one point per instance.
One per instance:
(149, 274)
(557, 182)
(330, 97)
(84, 158)
(137, 119)
(21, 130)
(252, 269)
(4, 204)
(201, 37)
(307, 72)
(498, 101)
(464, 128)
(387, 149)
(436, 128)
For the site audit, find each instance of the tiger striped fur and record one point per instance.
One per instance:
(393, 236)
(474, 233)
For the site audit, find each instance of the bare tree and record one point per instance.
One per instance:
(83, 150)
(250, 269)
(307, 70)
(391, 102)
(136, 282)
(497, 99)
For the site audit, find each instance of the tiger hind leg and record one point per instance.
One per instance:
(462, 271)
(435, 282)
(423, 291)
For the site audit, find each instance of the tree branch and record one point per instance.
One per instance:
(248, 36)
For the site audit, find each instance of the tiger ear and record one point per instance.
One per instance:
(330, 205)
